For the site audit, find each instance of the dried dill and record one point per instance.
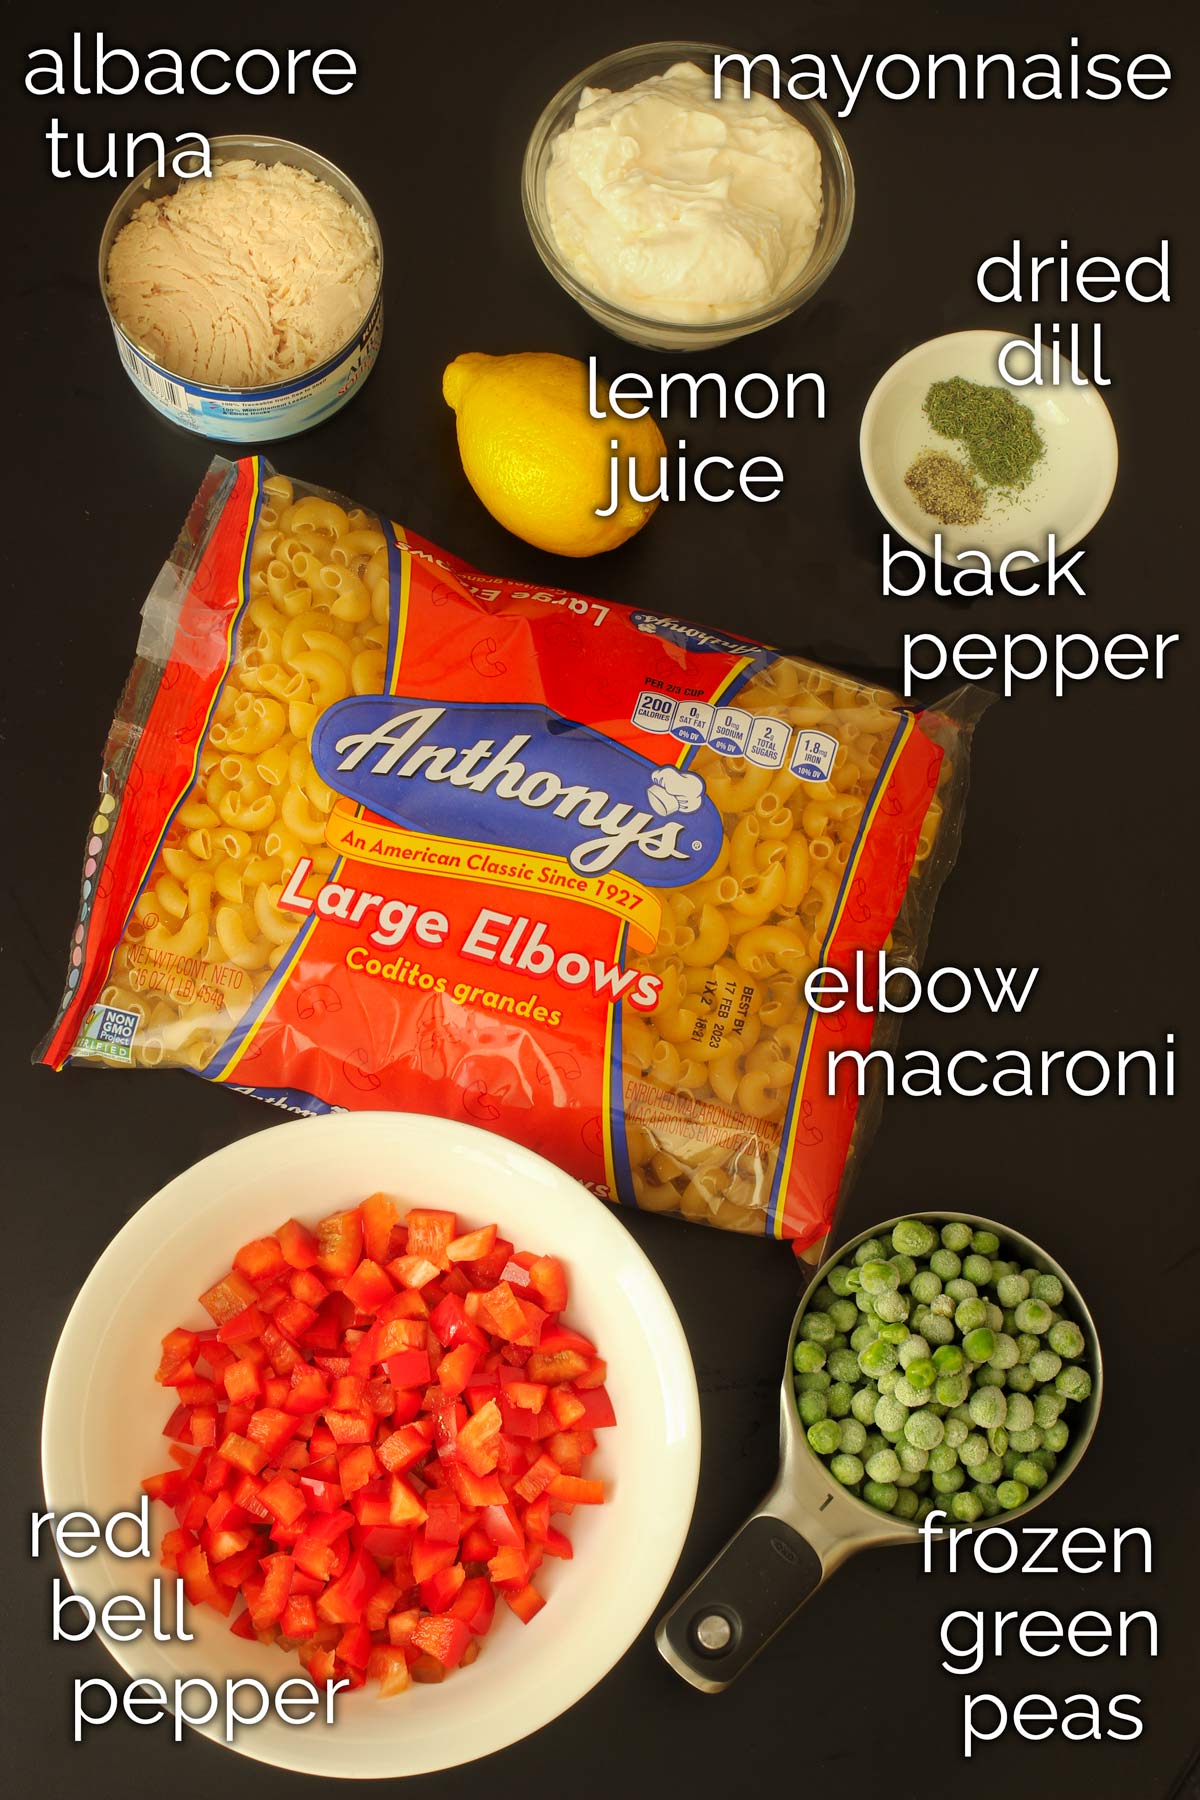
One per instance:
(997, 431)
(946, 489)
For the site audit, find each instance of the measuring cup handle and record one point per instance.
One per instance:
(746, 1594)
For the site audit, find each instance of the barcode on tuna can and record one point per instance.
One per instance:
(168, 392)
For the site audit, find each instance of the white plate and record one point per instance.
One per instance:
(102, 1427)
(1074, 480)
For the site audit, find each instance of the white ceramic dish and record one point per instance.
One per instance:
(102, 1427)
(1069, 491)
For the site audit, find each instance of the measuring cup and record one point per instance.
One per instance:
(808, 1524)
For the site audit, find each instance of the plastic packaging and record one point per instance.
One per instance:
(376, 830)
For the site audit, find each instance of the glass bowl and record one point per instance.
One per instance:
(625, 70)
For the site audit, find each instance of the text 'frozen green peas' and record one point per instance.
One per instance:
(925, 1286)
(878, 1357)
(913, 1238)
(879, 1277)
(977, 1269)
(863, 1404)
(948, 1481)
(969, 1315)
(988, 1406)
(986, 1494)
(906, 1504)
(973, 1449)
(825, 1436)
(847, 1469)
(882, 1495)
(839, 1398)
(904, 1266)
(874, 1250)
(806, 1357)
(839, 1280)
(1011, 1290)
(1025, 1441)
(913, 1349)
(979, 1343)
(911, 1396)
(955, 1431)
(912, 1458)
(945, 1264)
(921, 1373)
(1030, 1474)
(1012, 1494)
(989, 1470)
(843, 1365)
(1034, 1316)
(952, 1390)
(1066, 1339)
(852, 1436)
(811, 1407)
(956, 1237)
(1020, 1379)
(883, 1466)
(1005, 1354)
(924, 1430)
(948, 1359)
(817, 1327)
(812, 1381)
(1073, 1383)
(1044, 1365)
(1048, 1288)
(984, 1243)
(966, 1507)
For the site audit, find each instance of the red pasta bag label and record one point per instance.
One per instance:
(378, 831)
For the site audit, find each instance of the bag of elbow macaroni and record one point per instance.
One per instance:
(376, 830)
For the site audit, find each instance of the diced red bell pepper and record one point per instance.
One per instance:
(439, 1592)
(282, 1355)
(474, 1490)
(500, 1524)
(476, 1443)
(444, 1522)
(314, 1557)
(346, 1393)
(357, 1466)
(594, 1375)
(556, 1543)
(350, 1427)
(306, 1285)
(273, 1595)
(168, 1487)
(550, 1280)
(456, 1368)
(369, 1286)
(243, 1325)
(321, 1496)
(397, 1335)
(566, 1405)
(390, 1668)
(401, 1625)
(430, 1233)
(299, 1617)
(243, 1454)
(309, 1391)
(404, 1448)
(404, 1506)
(262, 1259)
(179, 1349)
(471, 1245)
(343, 1600)
(283, 1500)
(475, 1604)
(378, 1217)
(428, 1558)
(508, 1567)
(556, 1365)
(525, 1602)
(557, 1336)
(272, 1429)
(597, 1409)
(412, 1271)
(298, 1245)
(228, 1297)
(409, 1368)
(503, 1312)
(354, 1646)
(293, 1318)
(339, 1243)
(242, 1380)
(442, 1636)
(578, 1492)
(486, 1270)
(537, 1478)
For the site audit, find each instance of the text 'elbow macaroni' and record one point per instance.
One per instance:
(378, 831)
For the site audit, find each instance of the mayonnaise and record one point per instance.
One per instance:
(676, 206)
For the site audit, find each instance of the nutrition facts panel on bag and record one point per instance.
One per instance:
(729, 730)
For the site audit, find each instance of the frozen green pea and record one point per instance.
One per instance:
(821, 1295)
(980, 1343)
(1010, 1459)
(895, 1332)
(1034, 1316)
(1030, 1474)
(1073, 1383)
(1012, 1494)
(945, 1265)
(997, 1440)
(1066, 1339)
(961, 1289)
(952, 1390)
(948, 1481)
(924, 1508)
(1011, 1290)
(817, 1327)
(938, 1410)
(956, 1237)
(938, 1330)
(1020, 1379)
(1005, 1354)
(883, 1466)
(941, 1458)
(988, 1406)
(853, 1283)
(911, 1237)
(977, 1269)
(986, 1494)
(1048, 1288)
(825, 1436)
(853, 1435)
(970, 1315)
(1019, 1413)
(864, 1303)
(973, 1450)
(913, 1459)
(1027, 1344)
(892, 1308)
(943, 1307)
(995, 1317)
(843, 1365)
(844, 1314)
(955, 1431)
(923, 1430)
(989, 1470)
(1044, 1365)
(1025, 1441)
(839, 1280)
(873, 1250)
(813, 1381)
(925, 1286)
(889, 1414)
(811, 1407)
(948, 1359)
(913, 1349)
(863, 1404)
(847, 1469)
(906, 1504)
(839, 1398)
(1055, 1437)
(904, 1266)
(878, 1358)
(1000, 1269)
(966, 1506)
(806, 1357)
(879, 1277)
(988, 1375)
(921, 1373)
(911, 1396)
(886, 1382)
(1045, 1459)
(838, 1342)
(862, 1335)
(883, 1495)
(984, 1243)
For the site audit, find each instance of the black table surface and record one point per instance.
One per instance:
(1075, 858)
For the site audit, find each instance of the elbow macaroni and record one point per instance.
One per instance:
(633, 1003)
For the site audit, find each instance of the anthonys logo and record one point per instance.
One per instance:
(521, 776)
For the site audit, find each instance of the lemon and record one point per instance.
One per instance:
(538, 460)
